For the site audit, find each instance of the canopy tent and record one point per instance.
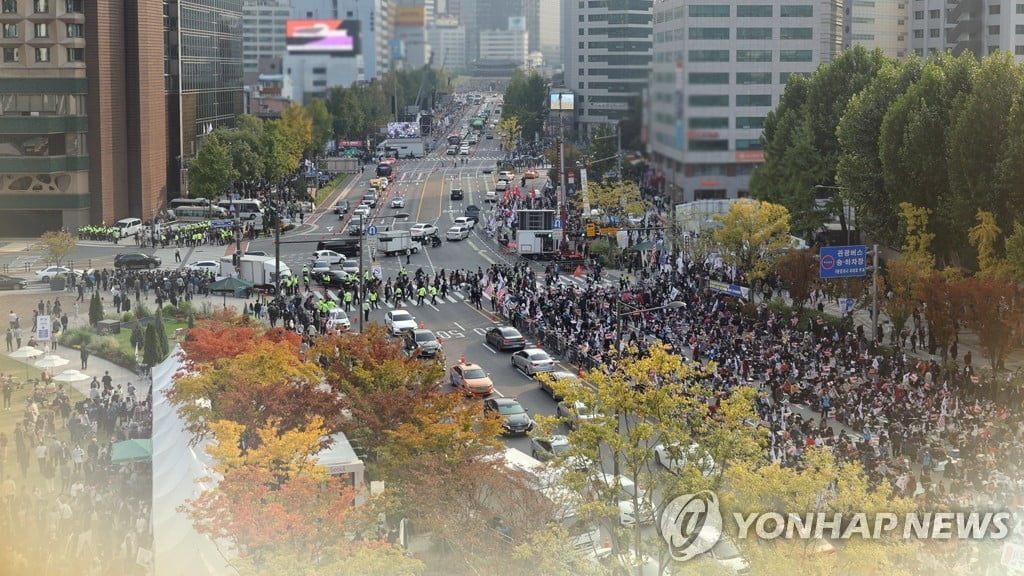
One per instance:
(340, 458)
(178, 549)
(136, 450)
(230, 284)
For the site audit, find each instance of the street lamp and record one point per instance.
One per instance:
(359, 284)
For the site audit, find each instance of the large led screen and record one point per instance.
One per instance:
(563, 101)
(333, 37)
(403, 130)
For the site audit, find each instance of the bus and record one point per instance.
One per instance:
(388, 167)
(245, 208)
(188, 202)
(199, 213)
(454, 139)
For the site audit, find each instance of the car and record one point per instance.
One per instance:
(422, 343)
(457, 232)
(490, 136)
(46, 274)
(515, 420)
(532, 361)
(457, 194)
(627, 490)
(547, 381)
(505, 338)
(491, 196)
(136, 260)
(488, 170)
(421, 230)
(398, 202)
(531, 174)
(473, 211)
(675, 458)
(399, 321)
(255, 253)
(331, 279)
(350, 266)
(337, 318)
(471, 379)
(208, 266)
(330, 256)
(464, 221)
(506, 175)
(549, 447)
(341, 207)
(355, 225)
(452, 150)
(320, 266)
(361, 210)
(12, 283)
(575, 413)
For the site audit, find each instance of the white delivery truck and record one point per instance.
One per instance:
(397, 242)
(259, 270)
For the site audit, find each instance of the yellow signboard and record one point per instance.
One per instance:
(591, 230)
(611, 231)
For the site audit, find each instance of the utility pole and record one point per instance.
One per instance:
(618, 142)
(561, 162)
(874, 293)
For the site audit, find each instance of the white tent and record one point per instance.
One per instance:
(340, 458)
(178, 549)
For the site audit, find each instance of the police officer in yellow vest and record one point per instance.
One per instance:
(398, 296)
(420, 295)
(348, 300)
(372, 296)
(433, 294)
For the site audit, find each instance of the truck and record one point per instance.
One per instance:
(397, 242)
(259, 270)
(403, 147)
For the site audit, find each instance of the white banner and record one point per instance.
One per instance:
(43, 330)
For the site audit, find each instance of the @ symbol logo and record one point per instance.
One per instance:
(691, 524)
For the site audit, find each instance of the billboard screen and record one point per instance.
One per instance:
(403, 130)
(563, 101)
(333, 37)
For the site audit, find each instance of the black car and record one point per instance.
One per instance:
(334, 278)
(421, 343)
(12, 283)
(473, 211)
(505, 338)
(347, 246)
(136, 260)
(341, 207)
(514, 416)
(457, 194)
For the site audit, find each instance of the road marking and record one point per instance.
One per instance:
(488, 346)
(457, 325)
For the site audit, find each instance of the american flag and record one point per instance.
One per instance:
(501, 293)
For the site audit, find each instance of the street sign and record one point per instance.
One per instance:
(591, 229)
(556, 224)
(842, 261)
(371, 230)
(377, 270)
(43, 328)
(730, 289)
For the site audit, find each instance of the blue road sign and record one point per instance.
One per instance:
(556, 224)
(842, 261)
(371, 230)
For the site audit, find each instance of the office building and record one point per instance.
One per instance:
(409, 21)
(263, 25)
(448, 43)
(876, 24)
(549, 32)
(372, 15)
(204, 77)
(507, 46)
(719, 67)
(607, 55)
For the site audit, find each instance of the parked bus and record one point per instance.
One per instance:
(199, 213)
(454, 139)
(188, 202)
(388, 167)
(245, 208)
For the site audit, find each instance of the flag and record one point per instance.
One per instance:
(578, 271)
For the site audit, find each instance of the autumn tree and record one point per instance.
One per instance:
(225, 335)
(985, 236)
(942, 296)
(994, 313)
(616, 199)
(797, 271)
(296, 126)
(57, 245)
(753, 234)
(897, 289)
(510, 131)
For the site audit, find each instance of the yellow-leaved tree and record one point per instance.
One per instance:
(752, 236)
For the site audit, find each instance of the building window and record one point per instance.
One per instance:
(707, 122)
(709, 33)
(9, 6)
(11, 55)
(708, 55)
(42, 54)
(704, 194)
(919, 33)
(993, 30)
(1018, 50)
(753, 55)
(918, 14)
(753, 77)
(704, 100)
(10, 30)
(753, 99)
(993, 9)
(1020, 28)
(796, 11)
(42, 30)
(749, 144)
(933, 33)
(708, 145)
(752, 11)
(1020, 8)
(708, 11)
(74, 6)
(795, 55)
(934, 14)
(754, 33)
(41, 6)
(750, 122)
(320, 70)
(76, 54)
(320, 83)
(75, 30)
(795, 33)
(709, 77)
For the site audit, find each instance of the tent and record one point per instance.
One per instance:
(178, 550)
(340, 458)
(230, 284)
(137, 450)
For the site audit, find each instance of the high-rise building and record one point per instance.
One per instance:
(877, 24)
(606, 53)
(505, 46)
(263, 47)
(549, 32)
(372, 15)
(204, 76)
(448, 44)
(719, 67)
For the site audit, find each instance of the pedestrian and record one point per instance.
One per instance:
(10, 339)
(84, 355)
(17, 336)
(177, 255)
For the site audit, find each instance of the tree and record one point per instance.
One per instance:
(296, 127)
(942, 295)
(225, 335)
(1015, 252)
(994, 313)
(211, 172)
(322, 127)
(797, 271)
(95, 309)
(602, 153)
(917, 240)
(572, 156)
(278, 158)
(57, 245)
(511, 131)
(151, 350)
(246, 148)
(752, 236)
(899, 286)
(163, 346)
(526, 99)
(985, 236)
(616, 199)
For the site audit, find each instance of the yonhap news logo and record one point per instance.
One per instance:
(691, 524)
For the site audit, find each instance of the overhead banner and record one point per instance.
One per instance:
(730, 289)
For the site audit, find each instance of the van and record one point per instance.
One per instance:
(128, 226)
(370, 198)
(341, 207)
(347, 246)
(501, 186)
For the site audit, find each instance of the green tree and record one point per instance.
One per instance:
(211, 173)
(245, 145)
(151, 349)
(95, 309)
(1015, 252)
(323, 127)
(163, 346)
(1010, 172)
(57, 245)
(602, 152)
(277, 155)
(752, 236)
(348, 116)
(296, 127)
(526, 99)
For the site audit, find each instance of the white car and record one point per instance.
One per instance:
(320, 266)
(533, 360)
(362, 210)
(209, 266)
(575, 412)
(46, 274)
(675, 458)
(627, 489)
(398, 202)
(505, 175)
(330, 256)
(465, 221)
(336, 318)
(399, 321)
(350, 267)
(457, 232)
(491, 196)
(464, 151)
(420, 231)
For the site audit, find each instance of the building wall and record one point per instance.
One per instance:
(373, 19)
(504, 46)
(719, 68)
(874, 24)
(549, 32)
(309, 76)
(146, 110)
(448, 43)
(263, 22)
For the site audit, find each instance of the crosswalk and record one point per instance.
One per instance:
(458, 296)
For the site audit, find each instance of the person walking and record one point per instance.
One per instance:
(17, 336)
(84, 355)
(10, 339)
